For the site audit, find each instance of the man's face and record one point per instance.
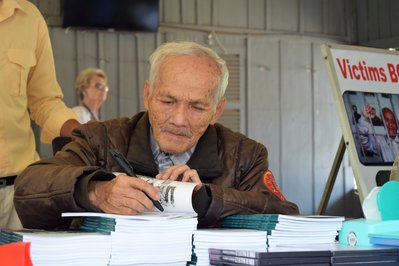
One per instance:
(181, 105)
(390, 122)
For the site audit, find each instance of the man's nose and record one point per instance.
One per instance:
(179, 115)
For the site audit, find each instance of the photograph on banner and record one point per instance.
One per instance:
(364, 83)
(374, 125)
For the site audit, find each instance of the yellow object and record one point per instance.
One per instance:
(27, 80)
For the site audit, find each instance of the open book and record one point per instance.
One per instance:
(176, 199)
(176, 196)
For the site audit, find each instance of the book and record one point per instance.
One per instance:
(204, 239)
(135, 238)
(274, 256)
(62, 247)
(289, 229)
(385, 239)
(176, 196)
(368, 255)
(306, 255)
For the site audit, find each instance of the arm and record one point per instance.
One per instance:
(249, 194)
(45, 98)
(78, 178)
(366, 138)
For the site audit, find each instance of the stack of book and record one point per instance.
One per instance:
(290, 229)
(204, 239)
(149, 238)
(367, 255)
(320, 255)
(270, 256)
(62, 247)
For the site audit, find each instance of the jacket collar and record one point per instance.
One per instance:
(204, 159)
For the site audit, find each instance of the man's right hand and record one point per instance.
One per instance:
(122, 195)
(369, 111)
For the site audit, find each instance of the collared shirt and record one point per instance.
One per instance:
(28, 86)
(164, 160)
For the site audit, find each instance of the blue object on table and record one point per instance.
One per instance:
(356, 232)
(387, 201)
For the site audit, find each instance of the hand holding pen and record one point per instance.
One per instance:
(127, 167)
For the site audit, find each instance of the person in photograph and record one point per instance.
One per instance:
(355, 115)
(370, 114)
(384, 145)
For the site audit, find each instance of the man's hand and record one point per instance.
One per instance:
(369, 111)
(122, 195)
(68, 126)
(181, 172)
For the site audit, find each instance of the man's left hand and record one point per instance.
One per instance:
(180, 172)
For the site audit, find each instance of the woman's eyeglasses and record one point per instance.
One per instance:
(101, 86)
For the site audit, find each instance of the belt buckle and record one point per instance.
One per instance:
(3, 183)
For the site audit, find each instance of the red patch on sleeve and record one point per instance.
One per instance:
(270, 184)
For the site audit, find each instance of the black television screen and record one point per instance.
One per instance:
(132, 15)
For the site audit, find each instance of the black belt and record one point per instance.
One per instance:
(7, 181)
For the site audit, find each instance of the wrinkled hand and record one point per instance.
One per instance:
(122, 195)
(181, 172)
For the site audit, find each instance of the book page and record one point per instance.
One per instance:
(175, 195)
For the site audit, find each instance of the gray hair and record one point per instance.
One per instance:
(192, 49)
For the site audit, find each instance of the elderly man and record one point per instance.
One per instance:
(176, 139)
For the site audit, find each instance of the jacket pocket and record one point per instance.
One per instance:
(19, 63)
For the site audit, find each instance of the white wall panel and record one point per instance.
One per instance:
(284, 15)
(236, 15)
(311, 20)
(257, 18)
(264, 98)
(296, 123)
(128, 82)
(188, 12)
(204, 10)
(337, 17)
(65, 62)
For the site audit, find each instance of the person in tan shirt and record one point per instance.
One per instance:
(28, 89)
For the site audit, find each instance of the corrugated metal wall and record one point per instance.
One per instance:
(285, 100)
(377, 23)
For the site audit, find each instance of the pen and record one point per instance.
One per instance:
(127, 167)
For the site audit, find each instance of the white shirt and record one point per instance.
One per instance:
(83, 114)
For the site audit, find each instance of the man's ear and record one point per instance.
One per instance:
(146, 93)
(219, 110)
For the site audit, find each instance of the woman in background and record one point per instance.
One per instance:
(91, 84)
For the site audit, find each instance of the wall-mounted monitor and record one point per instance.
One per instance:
(127, 15)
(365, 83)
